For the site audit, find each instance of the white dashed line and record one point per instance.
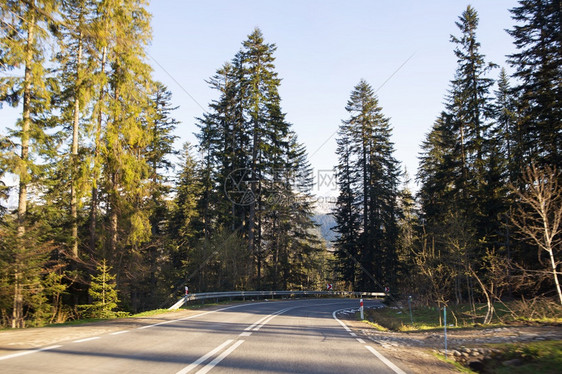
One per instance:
(119, 332)
(86, 340)
(29, 352)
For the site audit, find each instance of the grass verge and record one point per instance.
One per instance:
(544, 357)
(458, 316)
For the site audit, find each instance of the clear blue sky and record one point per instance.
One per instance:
(323, 49)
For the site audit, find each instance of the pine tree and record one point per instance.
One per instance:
(184, 226)
(261, 103)
(462, 170)
(24, 35)
(160, 124)
(103, 293)
(372, 160)
(346, 212)
(76, 67)
(250, 154)
(125, 139)
(507, 131)
(537, 62)
(470, 103)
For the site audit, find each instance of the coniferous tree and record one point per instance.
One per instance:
(125, 139)
(103, 293)
(539, 89)
(250, 154)
(75, 67)
(24, 32)
(462, 167)
(372, 160)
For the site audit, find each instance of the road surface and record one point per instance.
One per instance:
(297, 336)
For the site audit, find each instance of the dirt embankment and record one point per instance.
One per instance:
(413, 350)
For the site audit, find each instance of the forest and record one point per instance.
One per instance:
(112, 218)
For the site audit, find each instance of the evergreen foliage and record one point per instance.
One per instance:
(103, 293)
(98, 186)
(367, 210)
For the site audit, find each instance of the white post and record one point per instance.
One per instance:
(445, 325)
(361, 309)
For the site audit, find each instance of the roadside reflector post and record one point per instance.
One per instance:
(361, 309)
(410, 306)
(445, 325)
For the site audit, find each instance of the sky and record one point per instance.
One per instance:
(324, 48)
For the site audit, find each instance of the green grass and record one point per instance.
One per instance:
(75, 322)
(459, 316)
(543, 357)
(457, 365)
(150, 313)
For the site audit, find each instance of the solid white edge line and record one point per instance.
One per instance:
(29, 352)
(339, 321)
(379, 355)
(386, 361)
(221, 357)
(204, 358)
(86, 339)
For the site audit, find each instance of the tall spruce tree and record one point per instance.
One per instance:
(24, 36)
(537, 36)
(346, 212)
(368, 133)
(75, 67)
(250, 155)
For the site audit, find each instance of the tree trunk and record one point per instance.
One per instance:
(17, 313)
(74, 157)
(555, 274)
(94, 206)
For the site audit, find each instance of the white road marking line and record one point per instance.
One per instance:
(361, 341)
(222, 356)
(387, 362)
(246, 334)
(197, 315)
(379, 355)
(29, 352)
(340, 322)
(256, 323)
(270, 317)
(119, 332)
(86, 340)
(259, 324)
(352, 334)
(204, 358)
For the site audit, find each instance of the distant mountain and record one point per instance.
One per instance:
(327, 223)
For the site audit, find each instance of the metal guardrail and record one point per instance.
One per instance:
(244, 294)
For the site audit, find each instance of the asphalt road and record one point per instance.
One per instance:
(299, 336)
